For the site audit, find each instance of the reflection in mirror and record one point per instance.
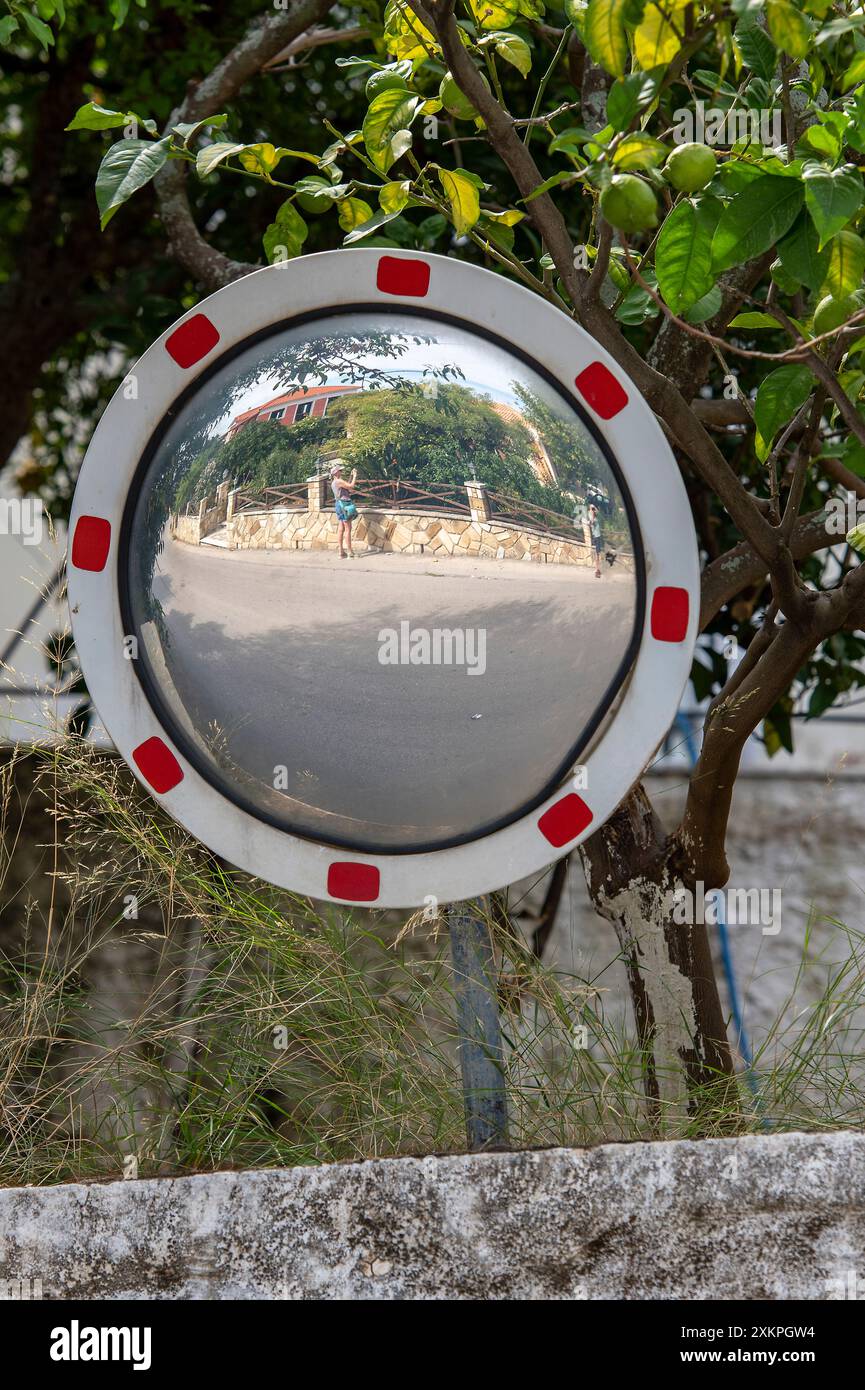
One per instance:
(383, 580)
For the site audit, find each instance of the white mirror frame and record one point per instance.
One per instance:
(329, 282)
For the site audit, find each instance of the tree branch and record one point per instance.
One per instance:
(741, 568)
(662, 394)
(313, 38)
(263, 41)
(700, 841)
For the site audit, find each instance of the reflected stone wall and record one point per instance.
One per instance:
(411, 533)
(211, 514)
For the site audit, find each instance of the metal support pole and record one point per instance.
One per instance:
(480, 1036)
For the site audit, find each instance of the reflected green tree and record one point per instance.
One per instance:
(444, 434)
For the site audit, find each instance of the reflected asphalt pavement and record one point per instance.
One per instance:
(275, 655)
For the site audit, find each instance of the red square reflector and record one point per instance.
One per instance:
(91, 542)
(356, 883)
(565, 820)
(157, 765)
(600, 389)
(398, 275)
(670, 609)
(192, 340)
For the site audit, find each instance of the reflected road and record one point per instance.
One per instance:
(275, 656)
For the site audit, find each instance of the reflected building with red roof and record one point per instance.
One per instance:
(292, 406)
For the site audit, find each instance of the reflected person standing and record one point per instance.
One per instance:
(597, 537)
(346, 510)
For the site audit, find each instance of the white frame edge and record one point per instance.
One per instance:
(328, 282)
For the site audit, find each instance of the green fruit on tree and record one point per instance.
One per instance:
(315, 202)
(690, 167)
(382, 81)
(628, 204)
(455, 101)
(831, 313)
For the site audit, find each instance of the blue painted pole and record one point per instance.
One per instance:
(479, 1028)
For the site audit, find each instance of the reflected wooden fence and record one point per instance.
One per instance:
(472, 499)
(294, 497)
(392, 494)
(529, 516)
(396, 494)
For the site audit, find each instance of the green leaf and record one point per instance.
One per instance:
(257, 158)
(854, 457)
(779, 396)
(285, 236)
(262, 158)
(128, 165)
(822, 139)
(822, 696)
(754, 320)
(509, 218)
(636, 306)
(658, 36)
(213, 155)
(188, 130)
(563, 176)
(737, 174)
(325, 193)
(832, 196)
(493, 14)
(513, 50)
(372, 224)
(836, 27)
(705, 308)
(394, 196)
(353, 212)
(604, 34)
(789, 28)
(755, 219)
(37, 28)
(404, 35)
(628, 95)
(93, 117)
(846, 264)
(462, 192)
(8, 26)
(757, 50)
(778, 728)
(639, 151)
(386, 125)
(497, 233)
(683, 255)
(801, 257)
(855, 73)
(713, 81)
(569, 141)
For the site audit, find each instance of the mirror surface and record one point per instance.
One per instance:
(437, 683)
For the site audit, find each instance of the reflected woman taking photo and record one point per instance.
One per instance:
(346, 510)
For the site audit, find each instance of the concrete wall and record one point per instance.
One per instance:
(759, 1218)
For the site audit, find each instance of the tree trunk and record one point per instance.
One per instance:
(680, 1024)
